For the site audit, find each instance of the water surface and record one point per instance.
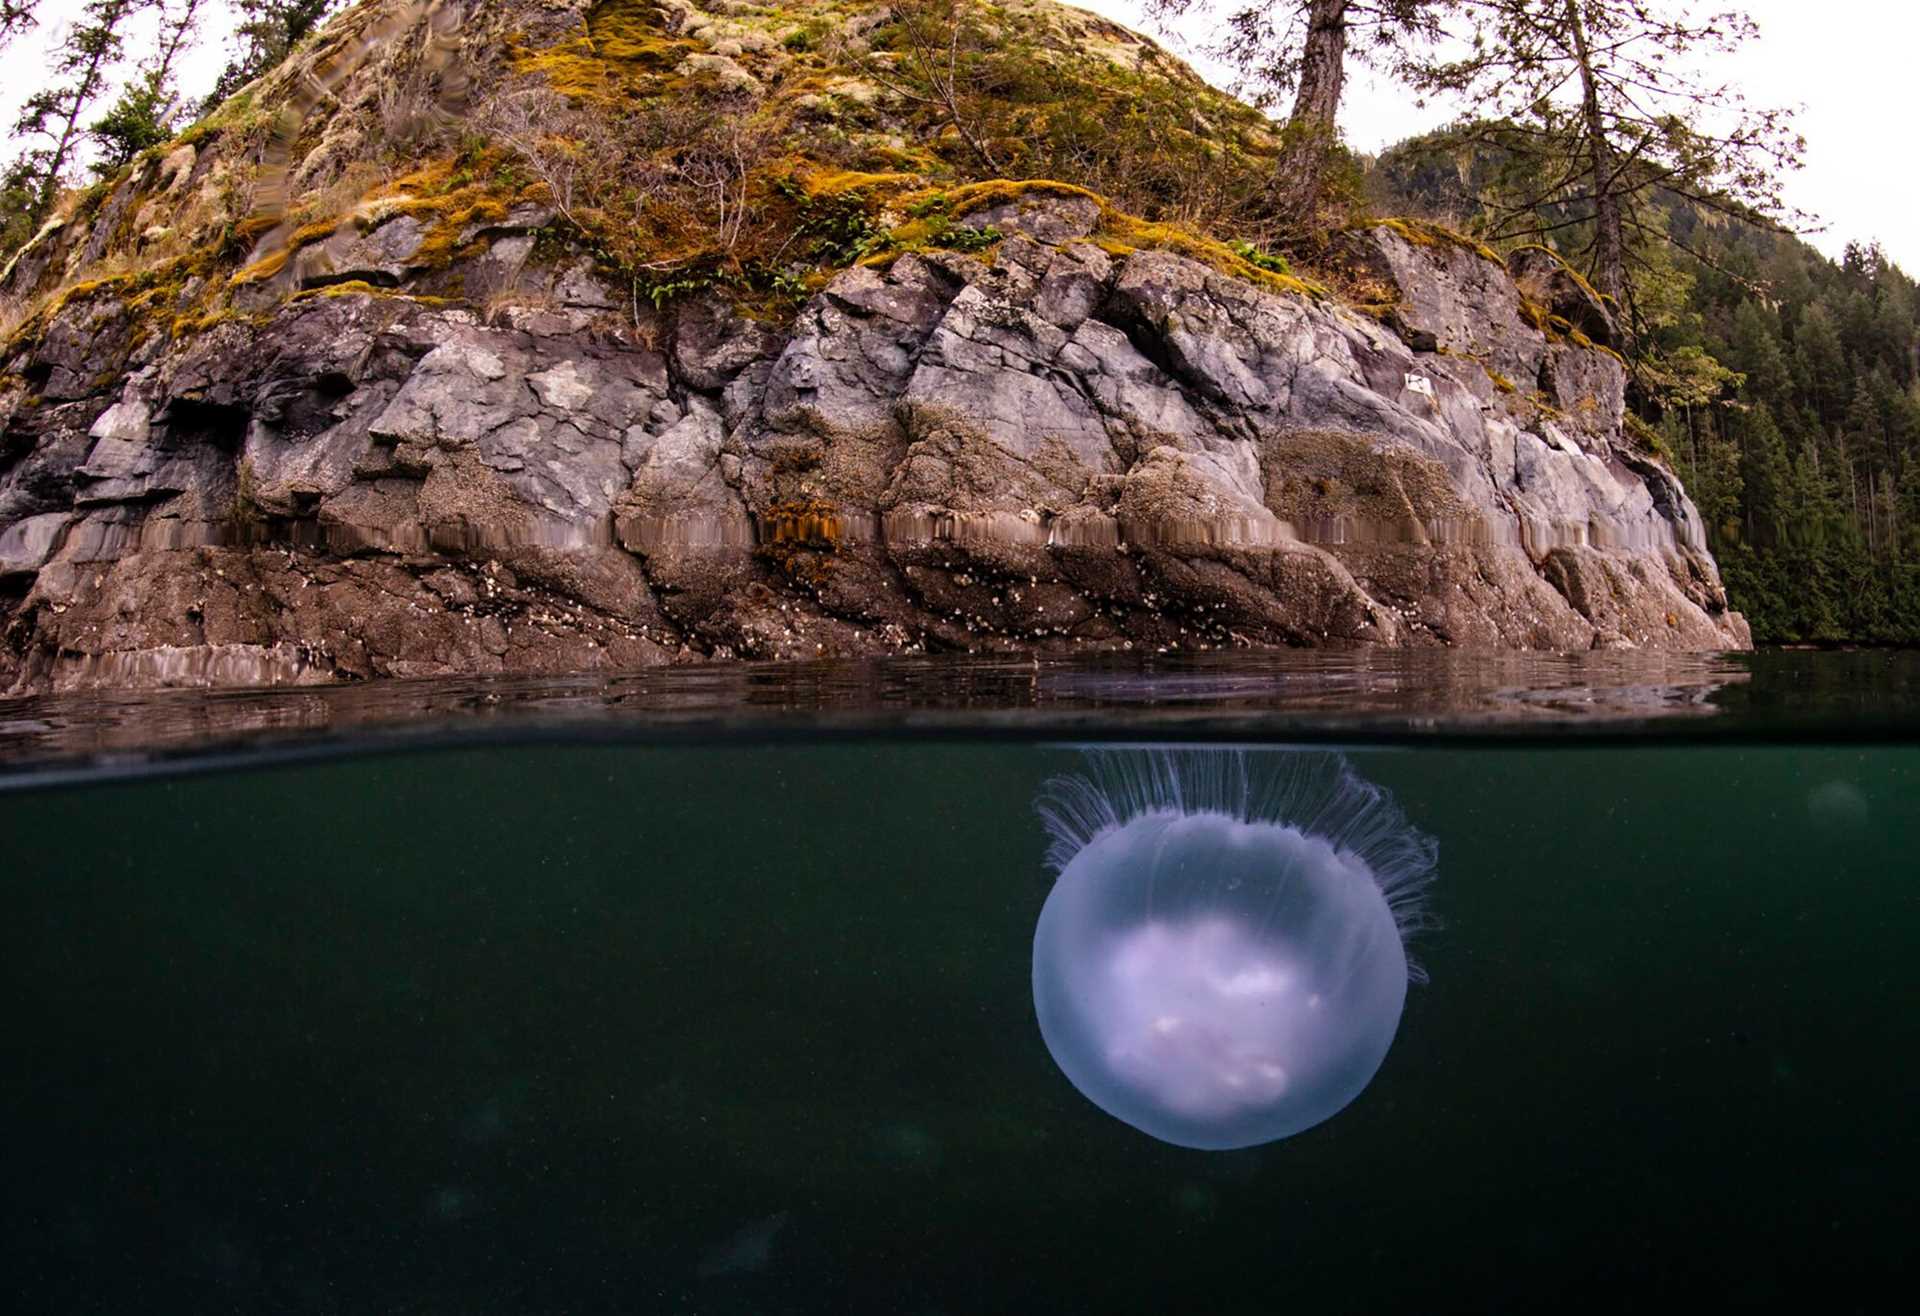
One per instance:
(1262, 696)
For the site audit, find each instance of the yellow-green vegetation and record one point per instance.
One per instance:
(1579, 279)
(266, 268)
(241, 124)
(1559, 329)
(932, 216)
(1426, 233)
(1123, 234)
(624, 53)
(1648, 438)
(361, 288)
(145, 294)
(757, 151)
(1028, 90)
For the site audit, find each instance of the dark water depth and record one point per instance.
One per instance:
(712, 1028)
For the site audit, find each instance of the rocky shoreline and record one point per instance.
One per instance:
(428, 444)
(1063, 449)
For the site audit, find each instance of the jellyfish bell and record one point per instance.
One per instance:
(1221, 961)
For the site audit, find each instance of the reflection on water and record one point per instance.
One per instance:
(1262, 695)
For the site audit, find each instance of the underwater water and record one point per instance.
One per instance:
(746, 1024)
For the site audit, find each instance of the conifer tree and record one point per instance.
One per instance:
(81, 71)
(1592, 103)
(268, 30)
(1820, 364)
(16, 16)
(148, 107)
(1304, 46)
(1817, 526)
(1756, 352)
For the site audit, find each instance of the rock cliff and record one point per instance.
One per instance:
(444, 430)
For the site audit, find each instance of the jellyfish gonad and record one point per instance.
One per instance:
(1221, 960)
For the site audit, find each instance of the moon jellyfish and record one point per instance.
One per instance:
(1221, 961)
(1838, 805)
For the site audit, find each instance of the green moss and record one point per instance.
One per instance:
(1648, 437)
(361, 288)
(269, 266)
(264, 270)
(985, 195)
(1580, 280)
(189, 326)
(1559, 329)
(211, 125)
(1077, 106)
(1262, 260)
(1426, 233)
(623, 52)
(1123, 233)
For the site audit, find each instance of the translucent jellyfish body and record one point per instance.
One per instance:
(1221, 961)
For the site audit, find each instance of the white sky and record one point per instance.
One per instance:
(1853, 77)
(1848, 65)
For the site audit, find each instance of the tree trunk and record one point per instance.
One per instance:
(1609, 242)
(173, 40)
(92, 74)
(63, 147)
(1323, 64)
(1312, 128)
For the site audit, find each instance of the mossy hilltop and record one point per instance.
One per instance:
(752, 147)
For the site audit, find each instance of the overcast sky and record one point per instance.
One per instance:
(1853, 77)
(1849, 65)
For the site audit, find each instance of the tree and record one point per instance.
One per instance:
(267, 32)
(1821, 364)
(1304, 46)
(81, 71)
(1594, 98)
(1757, 353)
(16, 16)
(938, 64)
(146, 112)
(1710, 461)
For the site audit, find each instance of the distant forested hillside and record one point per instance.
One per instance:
(1784, 387)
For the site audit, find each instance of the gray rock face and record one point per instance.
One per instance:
(1450, 297)
(1547, 281)
(382, 257)
(1052, 448)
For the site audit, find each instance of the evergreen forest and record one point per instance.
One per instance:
(1782, 385)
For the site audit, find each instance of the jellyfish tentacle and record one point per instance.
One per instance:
(1316, 791)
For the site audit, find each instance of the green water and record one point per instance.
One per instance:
(748, 1028)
